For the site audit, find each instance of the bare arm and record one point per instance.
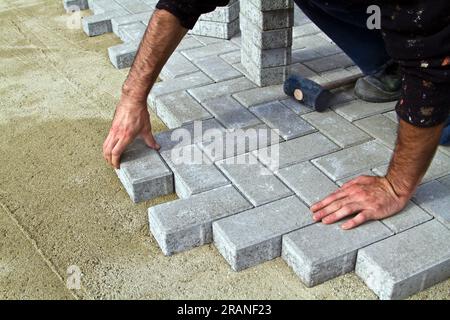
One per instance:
(131, 118)
(375, 198)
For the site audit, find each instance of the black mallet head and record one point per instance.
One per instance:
(308, 92)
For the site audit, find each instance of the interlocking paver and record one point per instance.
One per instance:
(219, 89)
(217, 69)
(117, 22)
(178, 109)
(258, 184)
(257, 96)
(144, 174)
(254, 236)
(269, 20)
(131, 32)
(322, 252)
(297, 150)
(308, 182)
(407, 263)
(296, 106)
(100, 23)
(336, 128)
(410, 217)
(434, 197)
(231, 113)
(358, 109)
(354, 160)
(188, 134)
(177, 65)
(187, 223)
(381, 128)
(445, 180)
(122, 55)
(236, 142)
(210, 50)
(78, 4)
(193, 172)
(281, 118)
(178, 84)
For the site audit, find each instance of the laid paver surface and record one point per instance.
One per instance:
(255, 213)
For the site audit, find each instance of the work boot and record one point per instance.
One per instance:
(383, 86)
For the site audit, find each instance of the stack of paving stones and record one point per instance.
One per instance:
(223, 23)
(266, 32)
(256, 212)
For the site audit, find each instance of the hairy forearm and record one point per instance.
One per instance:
(161, 38)
(413, 154)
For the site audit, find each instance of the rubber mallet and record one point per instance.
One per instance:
(308, 92)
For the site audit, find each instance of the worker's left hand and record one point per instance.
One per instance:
(371, 198)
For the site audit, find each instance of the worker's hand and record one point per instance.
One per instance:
(131, 120)
(371, 198)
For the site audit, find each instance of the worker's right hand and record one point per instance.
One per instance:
(131, 120)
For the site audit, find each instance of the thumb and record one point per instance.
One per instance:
(150, 140)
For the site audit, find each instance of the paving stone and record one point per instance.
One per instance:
(302, 70)
(297, 150)
(268, 20)
(134, 6)
(206, 41)
(308, 182)
(263, 77)
(305, 30)
(269, 5)
(79, 4)
(445, 150)
(230, 113)
(122, 55)
(410, 217)
(257, 183)
(177, 66)
(217, 69)
(358, 109)
(354, 160)
(278, 117)
(116, 22)
(256, 96)
(100, 23)
(188, 134)
(368, 173)
(270, 39)
(236, 142)
(339, 77)
(380, 127)
(445, 180)
(296, 106)
(144, 174)
(194, 173)
(178, 84)
(210, 50)
(231, 57)
(102, 6)
(434, 197)
(219, 89)
(336, 128)
(266, 58)
(253, 237)
(187, 43)
(337, 61)
(216, 29)
(304, 54)
(187, 223)
(322, 252)
(392, 115)
(407, 263)
(440, 166)
(178, 109)
(223, 14)
(131, 32)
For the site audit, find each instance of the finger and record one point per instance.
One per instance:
(345, 211)
(358, 220)
(116, 153)
(109, 148)
(150, 140)
(331, 208)
(339, 194)
(105, 144)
